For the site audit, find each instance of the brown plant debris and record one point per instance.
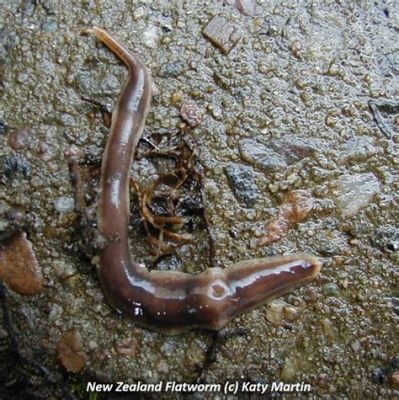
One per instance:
(71, 352)
(162, 203)
(19, 267)
(295, 208)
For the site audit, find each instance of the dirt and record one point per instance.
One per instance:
(300, 70)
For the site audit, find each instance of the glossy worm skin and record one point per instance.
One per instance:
(167, 301)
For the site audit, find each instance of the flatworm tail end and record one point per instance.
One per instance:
(115, 46)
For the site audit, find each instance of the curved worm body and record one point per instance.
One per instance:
(167, 301)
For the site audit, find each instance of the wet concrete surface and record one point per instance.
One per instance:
(289, 103)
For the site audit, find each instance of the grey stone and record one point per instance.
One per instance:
(242, 182)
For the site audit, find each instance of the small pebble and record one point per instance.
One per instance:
(278, 310)
(55, 312)
(354, 192)
(21, 139)
(290, 313)
(150, 37)
(242, 180)
(310, 294)
(395, 379)
(191, 113)
(245, 7)
(356, 346)
(3, 128)
(296, 47)
(329, 329)
(139, 12)
(162, 367)
(128, 348)
(222, 33)
(330, 289)
(64, 204)
(49, 26)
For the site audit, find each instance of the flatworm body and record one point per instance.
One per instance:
(168, 301)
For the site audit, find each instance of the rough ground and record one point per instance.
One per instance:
(286, 108)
